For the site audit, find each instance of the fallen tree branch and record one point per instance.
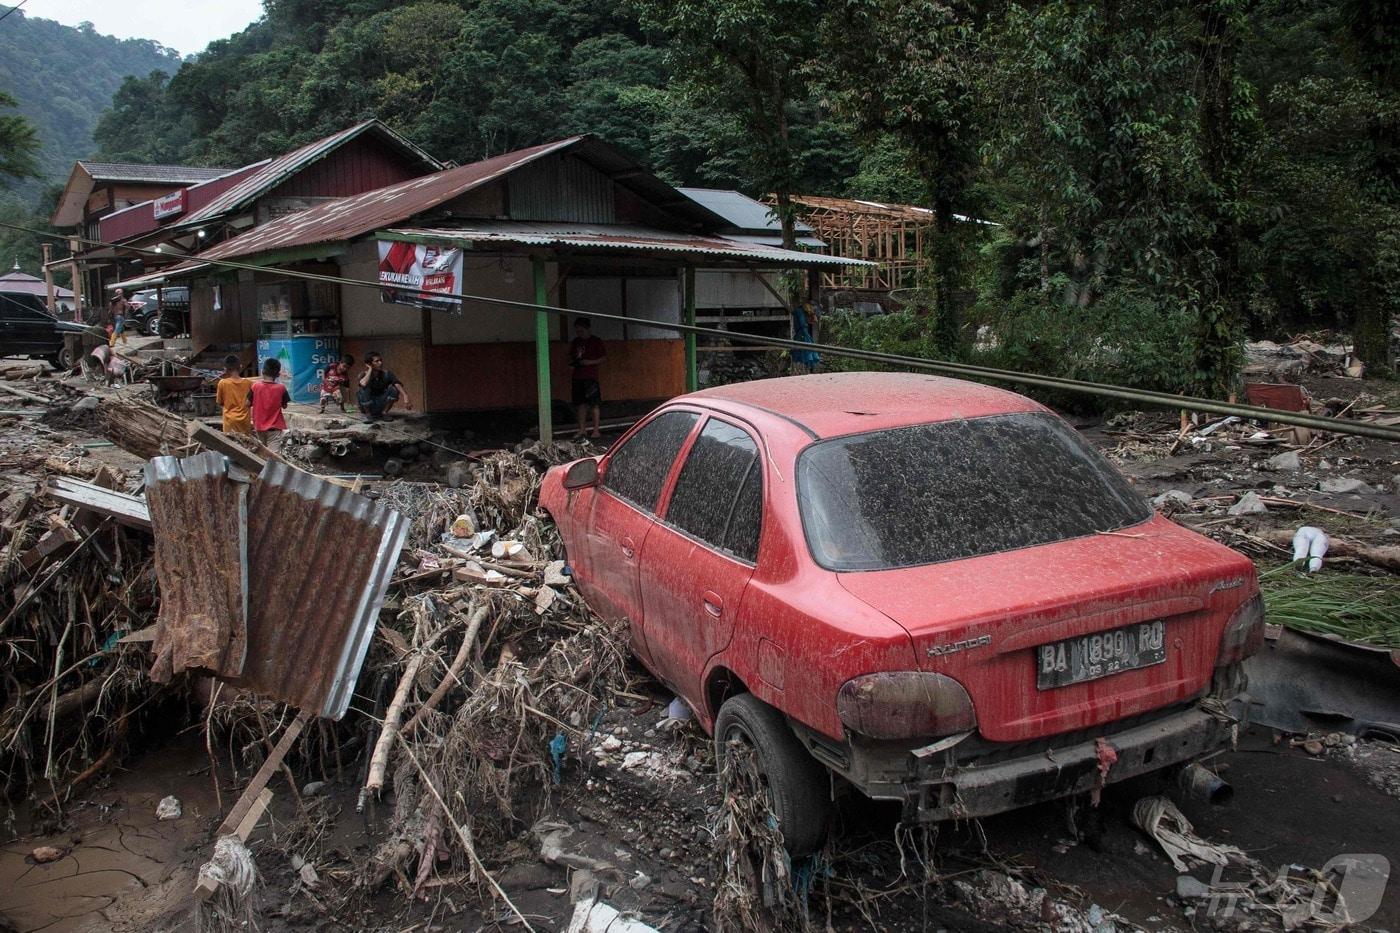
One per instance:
(466, 839)
(478, 616)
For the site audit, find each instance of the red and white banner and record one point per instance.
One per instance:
(420, 275)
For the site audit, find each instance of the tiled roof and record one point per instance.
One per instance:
(155, 174)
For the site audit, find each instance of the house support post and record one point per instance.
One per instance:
(692, 381)
(542, 387)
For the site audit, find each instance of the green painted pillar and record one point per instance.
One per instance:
(542, 388)
(692, 379)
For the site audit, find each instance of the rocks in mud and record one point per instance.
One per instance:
(169, 809)
(1171, 496)
(1286, 462)
(1249, 504)
(1343, 485)
(45, 854)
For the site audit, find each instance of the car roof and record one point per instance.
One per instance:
(833, 404)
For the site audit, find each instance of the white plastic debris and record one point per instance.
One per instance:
(592, 916)
(1312, 543)
(169, 809)
(1169, 827)
(232, 866)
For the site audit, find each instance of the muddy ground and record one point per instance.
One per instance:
(639, 818)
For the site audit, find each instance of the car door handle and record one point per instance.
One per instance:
(714, 605)
(629, 548)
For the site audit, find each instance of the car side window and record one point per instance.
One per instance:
(637, 470)
(715, 494)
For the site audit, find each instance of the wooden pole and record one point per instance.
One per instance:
(77, 281)
(543, 392)
(47, 249)
(692, 377)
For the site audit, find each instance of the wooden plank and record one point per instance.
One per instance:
(123, 508)
(255, 787)
(54, 542)
(27, 396)
(217, 441)
(207, 886)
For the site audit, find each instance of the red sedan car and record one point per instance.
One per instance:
(933, 589)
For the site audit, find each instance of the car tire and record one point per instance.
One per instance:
(150, 326)
(61, 361)
(799, 786)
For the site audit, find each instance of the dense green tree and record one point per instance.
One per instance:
(18, 144)
(907, 71)
(747, 61)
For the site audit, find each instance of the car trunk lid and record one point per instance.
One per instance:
(989, 622)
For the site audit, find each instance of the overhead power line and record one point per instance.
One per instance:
(964, 370)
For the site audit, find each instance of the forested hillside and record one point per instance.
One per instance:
(63, 79)
(1163, 177)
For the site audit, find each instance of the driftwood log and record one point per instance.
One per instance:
(143, 429)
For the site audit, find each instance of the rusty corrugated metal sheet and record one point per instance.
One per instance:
(285, 166)
(199, 511)
(618, 237)
(320, 558)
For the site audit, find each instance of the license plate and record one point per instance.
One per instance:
(1089, 657)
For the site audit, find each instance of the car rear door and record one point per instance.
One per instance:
(27, 329)
(697, 562)
(622, 514)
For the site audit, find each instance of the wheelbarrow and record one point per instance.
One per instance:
(177, 393)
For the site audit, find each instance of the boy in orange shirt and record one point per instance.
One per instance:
(232, 396)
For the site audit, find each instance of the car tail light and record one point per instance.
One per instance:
(1244, 634)
(905, 705)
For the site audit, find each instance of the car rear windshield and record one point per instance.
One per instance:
(955, 489)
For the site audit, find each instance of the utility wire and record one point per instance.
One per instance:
(964, 370)
(12, 9)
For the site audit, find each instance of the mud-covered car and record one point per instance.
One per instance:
(934, 590)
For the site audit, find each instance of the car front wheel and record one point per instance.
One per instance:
(799, 788)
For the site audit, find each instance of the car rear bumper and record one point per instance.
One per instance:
(948, 784)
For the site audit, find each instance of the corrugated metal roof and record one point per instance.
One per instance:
(320, 558)
(285, 166)
(742, 211)
(618, 237)
(199, 514)
(347, 218)
(183, 270)
(155, 174)
(768, 239)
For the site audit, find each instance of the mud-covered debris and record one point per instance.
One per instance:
(169, 809)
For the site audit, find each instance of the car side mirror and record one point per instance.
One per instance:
(582, 474)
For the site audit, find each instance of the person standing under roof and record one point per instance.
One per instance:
(586, 354)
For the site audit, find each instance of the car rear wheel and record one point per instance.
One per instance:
(799, 788)
(62, 360)
(151, 325)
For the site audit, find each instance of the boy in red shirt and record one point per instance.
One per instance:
(266, 399)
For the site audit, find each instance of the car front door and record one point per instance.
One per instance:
(623, 514)
(696, 563)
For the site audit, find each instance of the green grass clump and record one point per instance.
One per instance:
(1351, 606)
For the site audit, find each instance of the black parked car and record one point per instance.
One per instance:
(167, 318)
(27, 329)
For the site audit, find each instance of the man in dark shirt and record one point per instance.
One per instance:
(380, 389)
(586, 354)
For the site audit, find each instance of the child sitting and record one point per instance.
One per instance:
(334, 381)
